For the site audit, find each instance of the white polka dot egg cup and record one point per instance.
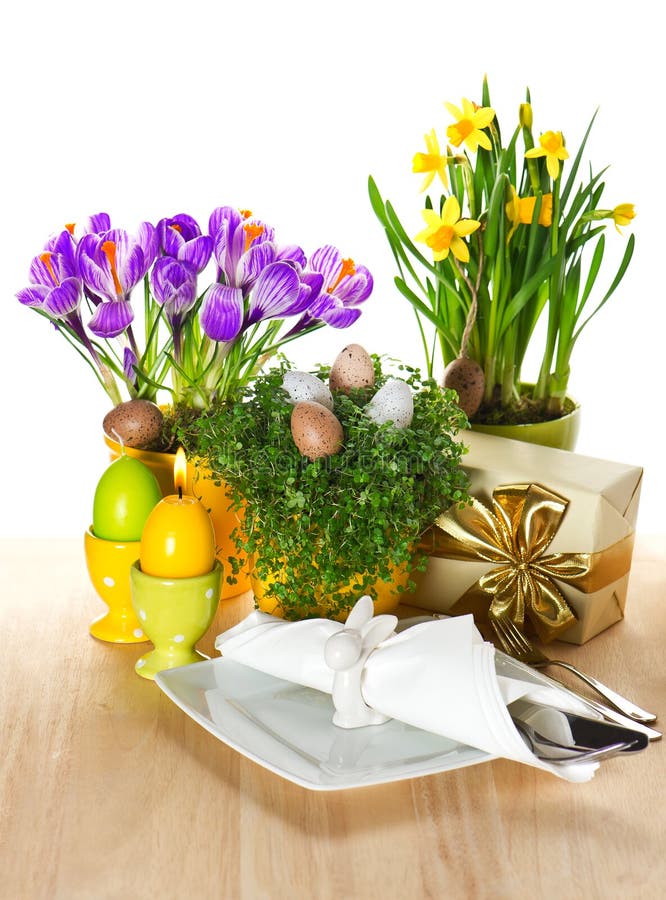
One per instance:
(175, 613)
(109, 569)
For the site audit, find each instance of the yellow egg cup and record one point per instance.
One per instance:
(109, 569)
(174, 613)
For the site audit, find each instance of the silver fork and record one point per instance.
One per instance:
(516, 644)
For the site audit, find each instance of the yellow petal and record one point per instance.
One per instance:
(427, 181)
(450, 212)
(431, 218)
(459, 249)
(484, 116)
(468, 108)
(483, 139)
(432, 144)
(466, 226)
(455, 112)
(440, 254)
(534, 152)
(553, 166)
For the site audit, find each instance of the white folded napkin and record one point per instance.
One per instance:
(439, 676)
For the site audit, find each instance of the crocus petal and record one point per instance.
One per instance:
(355, 288)
(338, 316)
(111, 319)
(97, 223)
(148, 240)
(196, 252)
(129, 361)
(63, 300)
(223, 217)
(327, 261)
(222, 312)
(315, 282)
(291, 252)
(95, 277)
(275, 293)
(252, 263)
(34, 295)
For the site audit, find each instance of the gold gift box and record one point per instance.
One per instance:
(550, 534)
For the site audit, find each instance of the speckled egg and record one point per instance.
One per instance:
(393, 402)
(137, 423)
(352, 369)
(317, 432)
(466, 378)
(304, 386)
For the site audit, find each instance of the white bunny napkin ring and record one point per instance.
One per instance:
(346, 652)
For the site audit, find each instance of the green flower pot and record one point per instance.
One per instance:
(559, 433)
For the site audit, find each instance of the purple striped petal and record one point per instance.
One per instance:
(130, 261)
(97, 223)
(275, 293)
(34, 295)
(111, 318)
(129, 361)
(63, 300)
(253, 262)
(355, 288)
(327, 261)
(338, 316)
(315, 282)
(148, 240)
(196, 252)
(222, 312)
(180, 226)
(291, 252)
(174, 285)
(223, 217)
(96, 277)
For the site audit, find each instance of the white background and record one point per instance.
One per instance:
(147, 109)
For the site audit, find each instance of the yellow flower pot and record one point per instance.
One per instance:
(385, 594)
(560, 433)
(214, 497)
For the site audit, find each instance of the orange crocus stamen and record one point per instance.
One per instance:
(348, 267)
(109, 250)
(245, 213)
(252, 232)
(46, 259)
(176, 227)
(70, 226)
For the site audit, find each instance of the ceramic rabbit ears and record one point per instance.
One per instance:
(372, 629)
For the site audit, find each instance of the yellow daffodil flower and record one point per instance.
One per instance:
(444, 233)
(552, 147)
(623, 214)
(520, 211)
(431, 162)
(469, 122)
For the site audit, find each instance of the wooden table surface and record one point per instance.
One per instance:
(108, 790)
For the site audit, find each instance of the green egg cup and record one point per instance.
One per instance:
(174, 613)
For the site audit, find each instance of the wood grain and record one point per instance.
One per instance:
(108, 790)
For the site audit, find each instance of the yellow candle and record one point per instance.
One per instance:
(178, 539)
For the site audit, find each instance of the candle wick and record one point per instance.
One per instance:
(180, 493)
(120, 441)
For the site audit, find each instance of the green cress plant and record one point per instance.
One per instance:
(315, 528)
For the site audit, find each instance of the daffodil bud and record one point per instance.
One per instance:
(525, 115)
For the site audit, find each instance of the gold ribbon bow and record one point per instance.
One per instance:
(514, 535)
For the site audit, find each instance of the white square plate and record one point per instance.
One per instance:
(288, 729)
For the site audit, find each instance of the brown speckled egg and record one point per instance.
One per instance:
(137, 423)
(466, 378)
(316, 430)
(353, 368)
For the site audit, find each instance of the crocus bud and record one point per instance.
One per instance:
(525, 115)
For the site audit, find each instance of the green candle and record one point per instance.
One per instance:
(125, 496)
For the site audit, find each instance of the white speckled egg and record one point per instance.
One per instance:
(353, 368)
(392, 403)
(304, 386)
(316, 431)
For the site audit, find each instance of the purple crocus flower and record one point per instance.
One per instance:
(174, 286)
(55, 286)
(111, 264)
(242, 246)
(181, 238)
(345, 287)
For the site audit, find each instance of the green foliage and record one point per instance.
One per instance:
(315, 528)
(517, 271)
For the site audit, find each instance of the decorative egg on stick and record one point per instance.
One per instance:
(464, 375)
(138, 423)
(125, 496)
